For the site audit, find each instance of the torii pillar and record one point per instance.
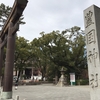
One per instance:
(8, 74)
(1, 60)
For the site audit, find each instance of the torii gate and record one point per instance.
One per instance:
(7, 36)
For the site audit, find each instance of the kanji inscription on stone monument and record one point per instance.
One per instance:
(92, 31)
(91, 37)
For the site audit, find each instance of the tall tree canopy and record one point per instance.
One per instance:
(57, 49)
(22, 54)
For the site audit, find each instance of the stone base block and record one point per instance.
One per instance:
(6, 95)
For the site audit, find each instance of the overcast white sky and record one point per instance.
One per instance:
(49, 15)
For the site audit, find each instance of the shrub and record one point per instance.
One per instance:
(82, 82)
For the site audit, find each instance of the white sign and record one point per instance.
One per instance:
(72, 77)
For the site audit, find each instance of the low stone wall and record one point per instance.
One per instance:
(32, 82)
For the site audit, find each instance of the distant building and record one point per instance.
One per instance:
(30, 73)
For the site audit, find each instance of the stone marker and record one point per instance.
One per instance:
(17, 97)
(92, 30)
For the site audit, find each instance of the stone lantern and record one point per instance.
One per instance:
(62, 81)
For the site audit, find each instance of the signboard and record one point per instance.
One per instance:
(72, 77)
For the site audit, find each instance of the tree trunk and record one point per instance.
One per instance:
(19, 74)
(56, 77)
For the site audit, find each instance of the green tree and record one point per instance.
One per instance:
(22, 54)
(4, 13)
(77, 48)
(39, 58)
(59, 49)
(52, 50)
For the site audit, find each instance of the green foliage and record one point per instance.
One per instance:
(82, 82)
(57, 49)
(51, 51)
(4, 13)
(22, 53)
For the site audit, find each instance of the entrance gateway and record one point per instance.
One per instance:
(7, 36)
(92, 30)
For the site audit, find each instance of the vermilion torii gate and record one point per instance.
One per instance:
(7, 36)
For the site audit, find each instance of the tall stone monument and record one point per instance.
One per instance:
(92, 30)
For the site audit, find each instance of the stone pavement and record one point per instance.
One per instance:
(52, 92)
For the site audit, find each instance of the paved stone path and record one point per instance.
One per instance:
(51, 92)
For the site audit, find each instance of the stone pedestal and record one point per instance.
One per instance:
(6, 96)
